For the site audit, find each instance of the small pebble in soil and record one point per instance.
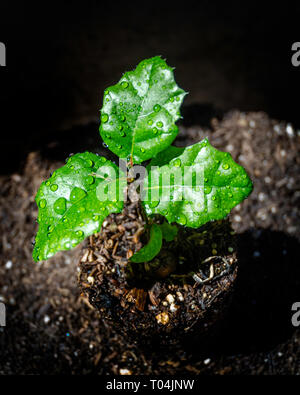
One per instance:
(163, 318)
(261, 196)
(91, 280)
(289, 130)
(180, 296)
(125, 372)
(8, 265)
(173, 308)
(170, 298)
(268, 180)
(206, 361)
(46, 319)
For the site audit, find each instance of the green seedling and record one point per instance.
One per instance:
(185, 186)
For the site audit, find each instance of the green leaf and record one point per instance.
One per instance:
(150, 250)
(139, 113)
(74, 201)
(168, 231)
(199, 184)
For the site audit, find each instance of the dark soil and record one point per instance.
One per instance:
(52, 329)
(160, 300)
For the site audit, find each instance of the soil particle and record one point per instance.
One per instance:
(52, 329)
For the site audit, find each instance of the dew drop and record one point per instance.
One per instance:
(90, 180)
(102, 159)
(156, 108)
(225, 166)
(54, 187)
(164, 212)
(96, 217)
(42, 203)
(122, 118)
(150, 122)
(181, 219)
(124, 84)
(89, 163)
(142, 149)
(154, 204)
(77, 194)
(79, 233)
(207, 190)
(47, 183)
(159, 124)
(60, 206)
(104, 118)
(154, 130)
(213, 198)
(171, 99)
(50, 228)
(177, 162)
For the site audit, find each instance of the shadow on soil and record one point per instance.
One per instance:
(267, 285)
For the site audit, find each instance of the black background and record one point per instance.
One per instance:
(61, 57)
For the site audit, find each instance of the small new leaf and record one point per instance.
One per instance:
(169, 231)
(194, 185)
(139, 113)
(74, 201)
(150, 250)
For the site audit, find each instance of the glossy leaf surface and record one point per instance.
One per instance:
(139, 113)
(74, 201)
(194, 185)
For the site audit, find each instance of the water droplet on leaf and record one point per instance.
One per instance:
(60, 206)
(154, 204)
(104, 118)
(177, 162)
(156, 108)
(54, 187)
(42, 203)
(207, 190)
(181, 219)
(77, 194)
(79, 233)
(124, 84)
(90, 180)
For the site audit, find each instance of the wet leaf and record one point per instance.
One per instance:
(74, 201)
(139, 113)
(194, 185)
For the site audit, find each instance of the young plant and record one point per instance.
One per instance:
(187, 186)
